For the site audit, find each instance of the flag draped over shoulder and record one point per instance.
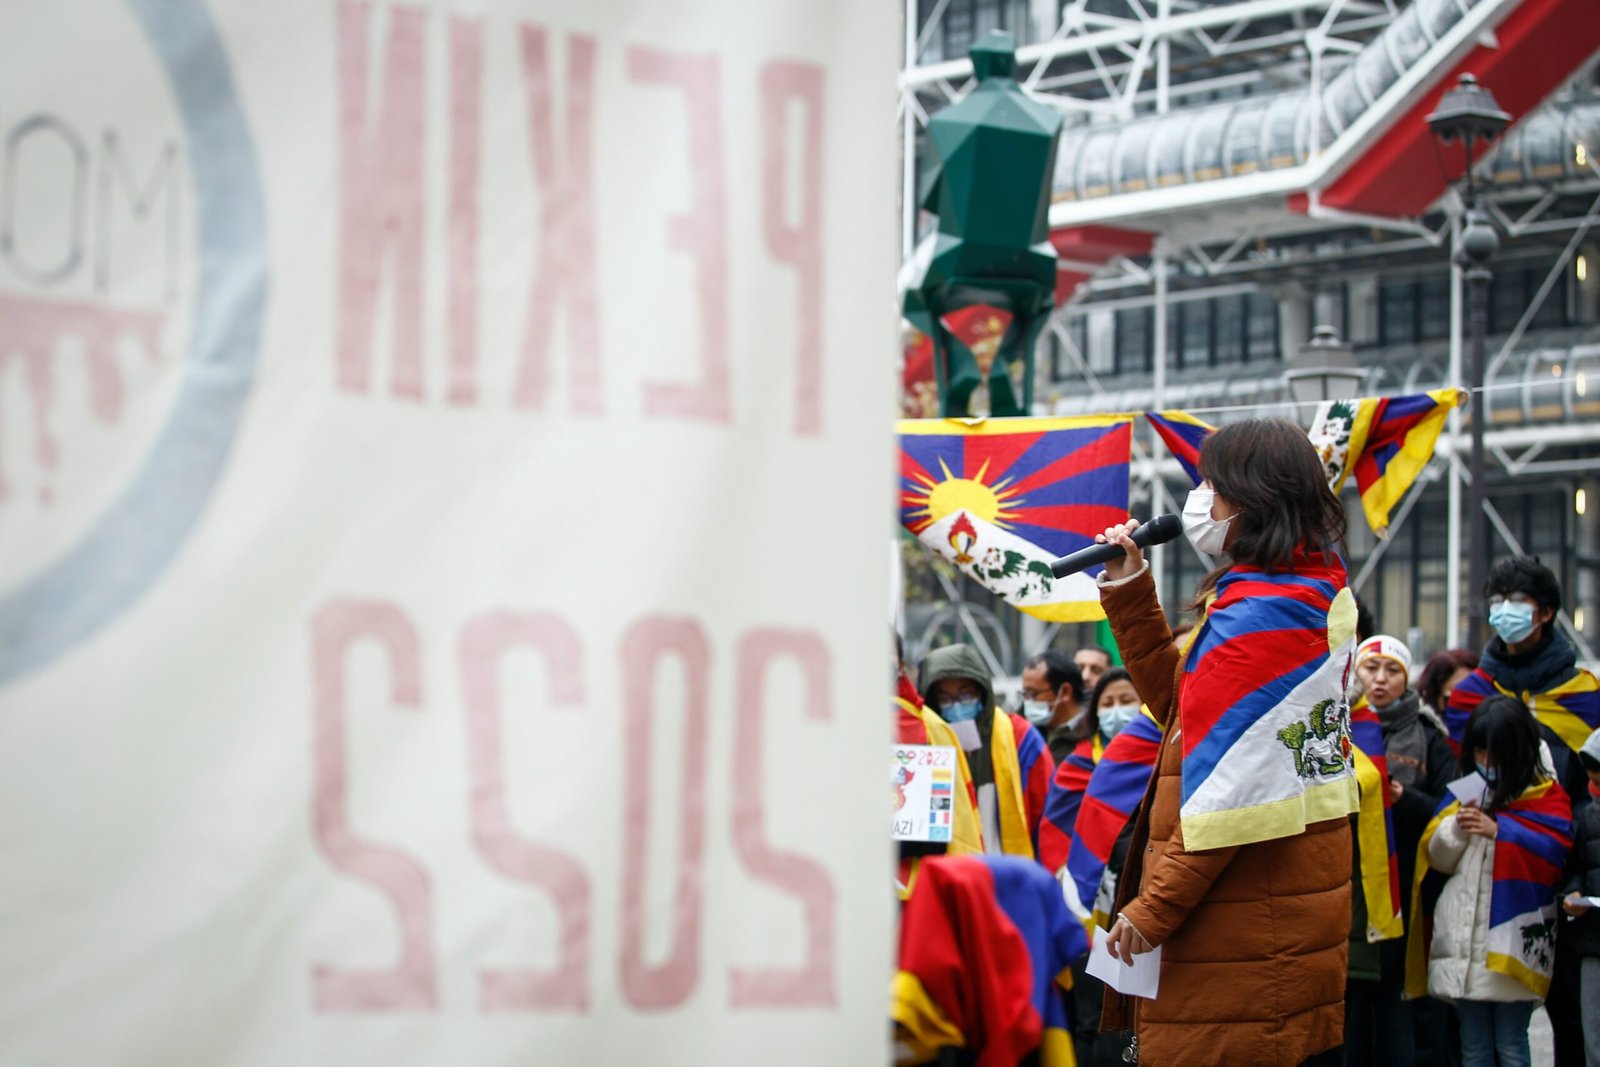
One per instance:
(1064, 799)
(1379, 867)
(1114, 792)
(1183, 434)
(1023, 771)
(1003, 498)
(983, 944)
(1266, 726)
(1571, 709)
(1532, 838)
(1384, 441)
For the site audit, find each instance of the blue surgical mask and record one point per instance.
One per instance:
(1038, 712)
(1490, 774)
(962, 710)
(1113, 717)
(1513, 621)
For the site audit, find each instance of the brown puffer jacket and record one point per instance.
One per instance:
(1253, 938)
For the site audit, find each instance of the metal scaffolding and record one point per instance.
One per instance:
(1192, 122)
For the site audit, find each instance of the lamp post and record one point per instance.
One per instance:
(1469, 114)
(1325, 369)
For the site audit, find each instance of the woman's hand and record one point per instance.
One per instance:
(1124, 942)
(1574, 904)
(1474, 820)
(1122, 536)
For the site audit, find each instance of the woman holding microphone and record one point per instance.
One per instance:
(1239, 869)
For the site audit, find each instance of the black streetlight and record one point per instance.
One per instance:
(1469, 114)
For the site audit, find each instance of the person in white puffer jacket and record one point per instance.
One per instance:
(1495, 1004)
(1457, 965)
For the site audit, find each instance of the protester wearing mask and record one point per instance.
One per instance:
(915, 724)
(1488, 944)
(1419, 763)
(1115, 702)
(1010, 765)
(1052, 700)
(1112, 706)
(1529, 659)
(1239, 867)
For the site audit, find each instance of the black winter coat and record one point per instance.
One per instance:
(1583, 876)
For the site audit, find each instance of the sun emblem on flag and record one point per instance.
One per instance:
(933, 500)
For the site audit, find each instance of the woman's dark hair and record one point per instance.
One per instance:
(1269, 470)
(1441, 665)
(1505, 727)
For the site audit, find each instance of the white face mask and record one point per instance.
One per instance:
(1204, 533)
(1113, 717)
(1038, 712)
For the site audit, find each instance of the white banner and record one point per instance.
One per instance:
(442, 487)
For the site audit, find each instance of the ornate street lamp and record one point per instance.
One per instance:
(1325, 369)
(1469, 114)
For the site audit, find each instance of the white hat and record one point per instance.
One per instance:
(1387, 647)
(1591, 747)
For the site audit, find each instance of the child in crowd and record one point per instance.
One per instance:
(1493, 932)
(1583, 884)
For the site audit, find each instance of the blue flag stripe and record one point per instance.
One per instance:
(1245, 714)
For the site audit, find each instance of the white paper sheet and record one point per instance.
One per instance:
(1469, 789)
(1138, 979)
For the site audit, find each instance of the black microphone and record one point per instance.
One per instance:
(1158, 531)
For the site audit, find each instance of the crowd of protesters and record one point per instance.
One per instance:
(1434, 886)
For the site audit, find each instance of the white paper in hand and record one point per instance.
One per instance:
(1140, 979)
(967, 734)
(1469, 789)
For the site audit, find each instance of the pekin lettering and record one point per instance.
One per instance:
(566, 272)
(385, 135)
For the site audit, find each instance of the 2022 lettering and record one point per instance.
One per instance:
(412, 983)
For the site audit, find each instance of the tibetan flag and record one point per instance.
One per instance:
(1183, 434)
(1114, 792)
(1004, 498)
(1385, 442)
(1571, 709)
(1378, 867)
(1266, 726)
(984, 944)
(1397, 443)
(1062, 803)
(1532, 838)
